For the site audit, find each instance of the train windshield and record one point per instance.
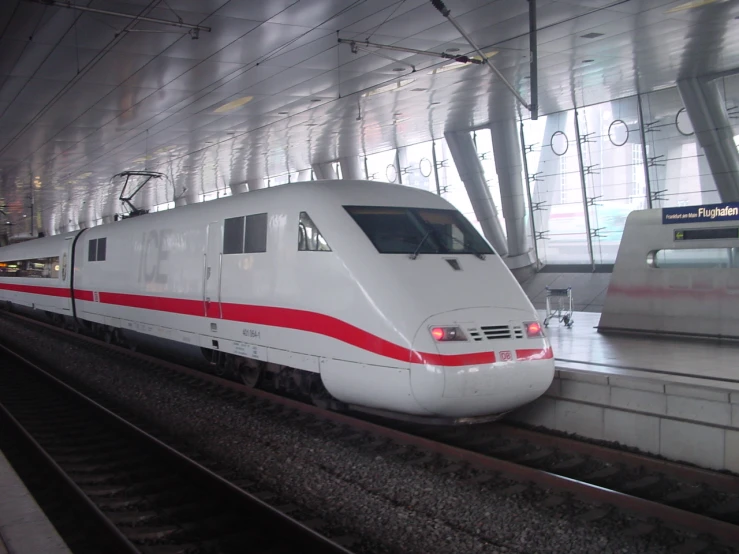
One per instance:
(418, 230)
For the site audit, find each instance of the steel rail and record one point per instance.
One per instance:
(313, 541)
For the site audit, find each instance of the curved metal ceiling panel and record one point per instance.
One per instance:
(268, 89)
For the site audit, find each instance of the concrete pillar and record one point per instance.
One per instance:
(509, 167)
(256, 184)
(324, 171)
(238, 188)
(470, 171)
(303, 176)
(713, 130)
(352, 167)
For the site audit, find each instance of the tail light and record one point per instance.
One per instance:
(446, 334)
(533, 329)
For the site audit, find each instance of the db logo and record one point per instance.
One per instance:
(506, 356)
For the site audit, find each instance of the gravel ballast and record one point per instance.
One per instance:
(407, 508)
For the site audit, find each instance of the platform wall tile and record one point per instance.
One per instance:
(735, 415)
(705, 393)
(587, 392)
(584, 376)
(692, 442)
(628, 428)
(731, 455)
(643, 401)
(555, 388)
(540, 412)
(636, 383)
(27, 538)
(734, 398)
(581, 419)
(696, 409)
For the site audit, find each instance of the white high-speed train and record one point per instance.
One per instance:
(360, 295)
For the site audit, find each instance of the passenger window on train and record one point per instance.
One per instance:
(309, 237)
(43, 268)
(233, 236)
(245, 234)
(96, 250)
(255, 233)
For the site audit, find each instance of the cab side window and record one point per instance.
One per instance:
(309, 237)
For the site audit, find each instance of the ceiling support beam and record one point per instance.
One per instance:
(472, 175)
(352, 167)
(69, 5)
(713, 129)
(509, 167)
(439, 5)
(324, 171)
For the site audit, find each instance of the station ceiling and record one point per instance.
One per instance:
(268, 89)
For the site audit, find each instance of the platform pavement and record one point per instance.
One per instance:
(672, 397)
(24, 528)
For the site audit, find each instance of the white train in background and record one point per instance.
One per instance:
(357, 295)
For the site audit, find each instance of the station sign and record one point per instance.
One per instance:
(701, 214)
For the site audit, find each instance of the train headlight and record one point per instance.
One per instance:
(533, 329)
(445, 334)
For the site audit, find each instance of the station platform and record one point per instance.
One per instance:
(24, 528)
(672, 397)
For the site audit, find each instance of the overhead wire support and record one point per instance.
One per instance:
(439, 5)
(70, 5)
(533, 67)
(363, 44)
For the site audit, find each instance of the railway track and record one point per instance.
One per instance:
(135, 493)
(692, 509)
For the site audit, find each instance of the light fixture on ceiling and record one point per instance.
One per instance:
(588, 61)
(692, 5)
(281, 113)
(452, 50)
(234, 104)
(591, 35)
(315, 100)
(434, 103)
(391, 87)
(456, 65)
(419, 89)
(397, 69)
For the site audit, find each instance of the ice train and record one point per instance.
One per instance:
(357, 295)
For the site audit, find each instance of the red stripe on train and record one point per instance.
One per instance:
(34, 289)
(287, 318)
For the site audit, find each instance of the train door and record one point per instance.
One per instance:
(213, 258)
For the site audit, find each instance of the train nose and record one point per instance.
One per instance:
(480, 362)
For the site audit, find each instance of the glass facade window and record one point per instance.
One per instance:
(417, 166)
(483, 141)
(678, 171)
(556, 189)
(614, 173)
(382, 166)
